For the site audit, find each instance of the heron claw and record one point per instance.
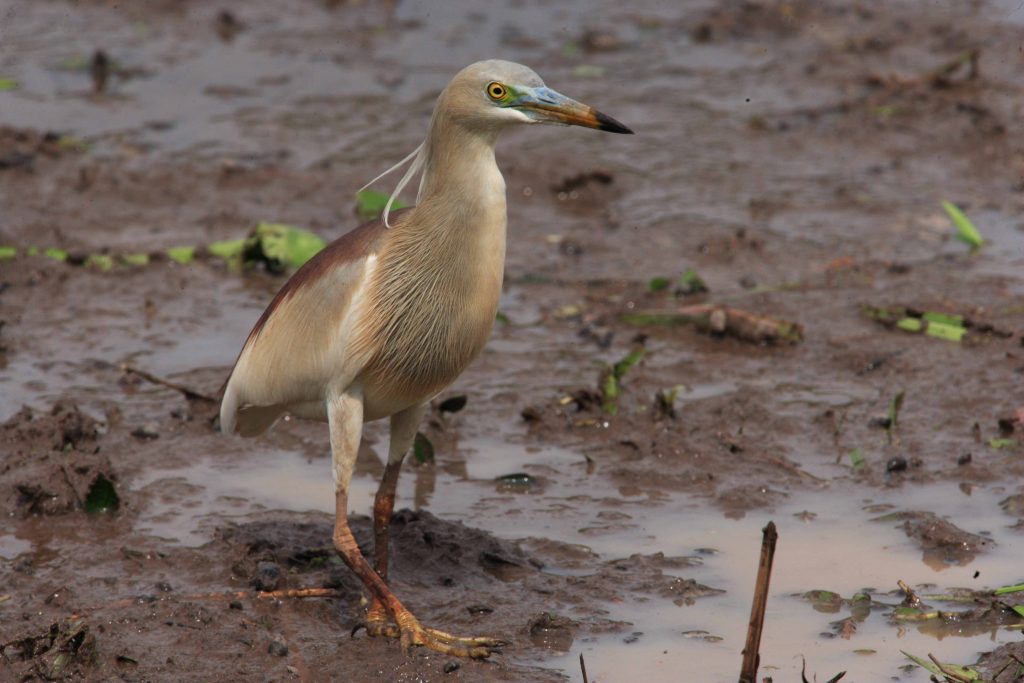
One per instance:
(415, 635)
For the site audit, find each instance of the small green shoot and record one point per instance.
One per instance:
(8, 253)
(56, 254)
(1019, 609)
(894, 415)
(1009, 589)
(658, 284)
(691, 283)
(612, 377)
(857, 458)
(998, 444)
(102, 496)
(965, 230)
(502, 318)
(422, 449)
(7, 84)
(370, 204)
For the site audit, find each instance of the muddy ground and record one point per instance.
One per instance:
(794, 154)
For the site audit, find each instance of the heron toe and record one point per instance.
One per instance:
(379, 624)
(415, 635)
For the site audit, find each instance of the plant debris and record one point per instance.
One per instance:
(949, 326)
(965, 230)
(723, 320)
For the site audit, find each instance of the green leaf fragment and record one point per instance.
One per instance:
(56, 254)
(857, 458)
(910, 324)
(943, 318)
(102, 262)
(182, 255)
(422, 449)
(8, 84)
(502, 318)
(963, 673)
(370, 204)
(965, 230)
(7, 253)
(288, 245)
(135, 259)
(1009, 589)
(1019, 609)
(998, 444)
(102, 496)
(658, 284)
(953, 333)
(228, 250)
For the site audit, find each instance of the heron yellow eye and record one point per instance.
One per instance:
(496, 91)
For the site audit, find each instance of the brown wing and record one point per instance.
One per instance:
(288, 356)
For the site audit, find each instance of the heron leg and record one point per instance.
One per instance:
(345, 416)
(403, 433)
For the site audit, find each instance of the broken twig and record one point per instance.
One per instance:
(751, 651)
(190, 394)
(716, 319)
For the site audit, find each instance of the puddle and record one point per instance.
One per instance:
(705, 638)
(12, 546)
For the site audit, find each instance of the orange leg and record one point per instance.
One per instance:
(412, 632)
(345, 416)
(377, 622)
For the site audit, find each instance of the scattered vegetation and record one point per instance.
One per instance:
(965, 230)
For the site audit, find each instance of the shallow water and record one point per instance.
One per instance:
(826, 541)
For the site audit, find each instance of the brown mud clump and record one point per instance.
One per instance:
(53, 464)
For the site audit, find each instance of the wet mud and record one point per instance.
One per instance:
(628, 429)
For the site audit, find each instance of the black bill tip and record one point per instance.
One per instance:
(607, 123)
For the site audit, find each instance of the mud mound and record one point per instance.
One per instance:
(425, 550)
(52, 464)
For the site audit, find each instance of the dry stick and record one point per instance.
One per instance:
(911, 599)
(153, 379)
(751, 651)
(583, 668)
(239, 595)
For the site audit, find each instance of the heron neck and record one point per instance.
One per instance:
(460, 168)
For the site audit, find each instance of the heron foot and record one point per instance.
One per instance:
(415, 635)
(378, 623)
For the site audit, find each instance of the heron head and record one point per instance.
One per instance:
(495, 92)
